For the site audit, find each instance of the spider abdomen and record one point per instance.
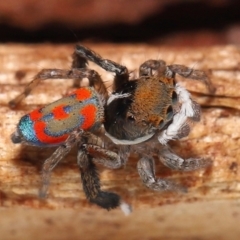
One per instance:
(52, 124)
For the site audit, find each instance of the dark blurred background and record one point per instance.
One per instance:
(166, 22)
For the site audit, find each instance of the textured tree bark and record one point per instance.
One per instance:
(210, 210)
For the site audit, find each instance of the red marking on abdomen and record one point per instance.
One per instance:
(59, 113)
(39, 128)
(89, 113)
(83, 94)
(35, 115)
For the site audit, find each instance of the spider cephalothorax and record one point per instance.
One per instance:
(141, 113)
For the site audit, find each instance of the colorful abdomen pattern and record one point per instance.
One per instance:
(52, 124)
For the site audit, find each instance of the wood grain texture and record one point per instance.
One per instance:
(210, 210)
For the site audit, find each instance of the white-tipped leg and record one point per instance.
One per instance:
(146, 170)
(126, 208)
(173, 161)
(92, 185)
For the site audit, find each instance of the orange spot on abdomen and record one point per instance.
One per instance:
(35, 115)
(39, 128)
(89, 114)
(83, 94)
(59, 113)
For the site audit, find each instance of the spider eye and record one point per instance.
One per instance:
(169, 112)
(174, 97)
(161, 123)
(131, 118)
(169, 73)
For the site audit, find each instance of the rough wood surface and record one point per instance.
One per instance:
(210, 210)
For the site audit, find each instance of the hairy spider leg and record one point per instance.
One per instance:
(75, 73)
(146, 170)
(91, 181)
(122, 74)
(173, 161)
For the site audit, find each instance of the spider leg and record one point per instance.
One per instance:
(189, 107)
(75, 73)
(189, 110)
(78, 62)
(187, 72)
(122, 75)
(124, 152)
(102, 152)
(152, 67)
(171, 160)
(103, 156)
(179, 128)
(56, 157)
(91, 184)
(146, 170)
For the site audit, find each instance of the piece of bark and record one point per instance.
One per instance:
(213, 192)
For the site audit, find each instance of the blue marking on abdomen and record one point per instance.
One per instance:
(47, 117)
(26, 129)
(67, 109)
